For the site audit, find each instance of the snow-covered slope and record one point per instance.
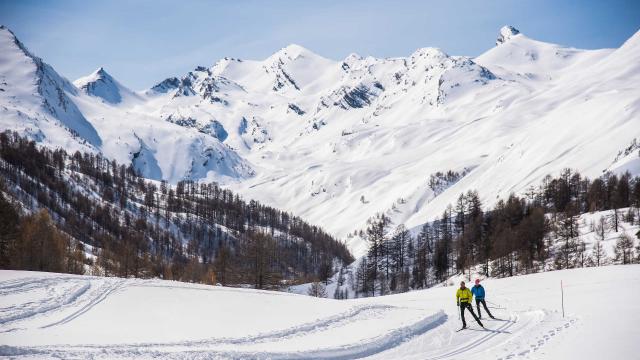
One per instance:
(516, 55)
(592, 228)
(36, 101)
(66, 316)
(337, 141)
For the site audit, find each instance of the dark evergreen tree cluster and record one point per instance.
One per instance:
(132, 227)
(514, 237)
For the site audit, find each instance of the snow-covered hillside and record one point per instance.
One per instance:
(594, 245)
(338, 141)
(38, 102)
(66, 316)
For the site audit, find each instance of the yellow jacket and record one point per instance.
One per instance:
(464, 295)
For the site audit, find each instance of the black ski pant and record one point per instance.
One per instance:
(466, 305)
(484, 303)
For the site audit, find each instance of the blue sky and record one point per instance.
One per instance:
(142, 42)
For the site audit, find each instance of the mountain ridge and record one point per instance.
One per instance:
(338, 141)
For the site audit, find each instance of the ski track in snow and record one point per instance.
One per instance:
(58, 300)
(521, 335)
(100, 294)
(50, 303)
(474, 343)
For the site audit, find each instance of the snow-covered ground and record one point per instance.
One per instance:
(66, 316)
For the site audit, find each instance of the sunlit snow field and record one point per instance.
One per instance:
(46, 315)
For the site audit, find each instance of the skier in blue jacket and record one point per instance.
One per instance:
(478, 292)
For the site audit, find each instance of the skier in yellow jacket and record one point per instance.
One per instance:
(463, 299)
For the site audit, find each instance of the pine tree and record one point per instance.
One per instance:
(623, 190)
(422, 257)
(443, 247)
(375, 233)
(624, 249)
(597, 195)
(635, 195)
(460, 219)
(615, 219)
(401, 240)
(8, 230)
(75, 258)
(222, 264)
(341, 279)
(600, 228)
(598, 254)
(40, 246)
(337, 294)
(386, 266)
(257, 251)
(361, 285)
(531, 232)
(400, 261)
(568, 231)
(581, 252)
(317, 289)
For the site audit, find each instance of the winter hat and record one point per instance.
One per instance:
(477, 281)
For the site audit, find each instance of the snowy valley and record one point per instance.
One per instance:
(336, 142)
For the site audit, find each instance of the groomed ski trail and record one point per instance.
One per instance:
(67, 316)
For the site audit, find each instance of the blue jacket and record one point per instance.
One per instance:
(478, 292)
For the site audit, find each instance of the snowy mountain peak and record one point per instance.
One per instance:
(101, 84)
(34, 96)
(350, 61)
(288, 69)
(293, 51)
(221, 65)
(352, 57)
(100, 74)
(164, 86)
(5, 31)
(506, 33)
(8, 37)
(429, 52)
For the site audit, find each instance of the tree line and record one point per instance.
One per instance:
(523, 234)
(116, 223)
